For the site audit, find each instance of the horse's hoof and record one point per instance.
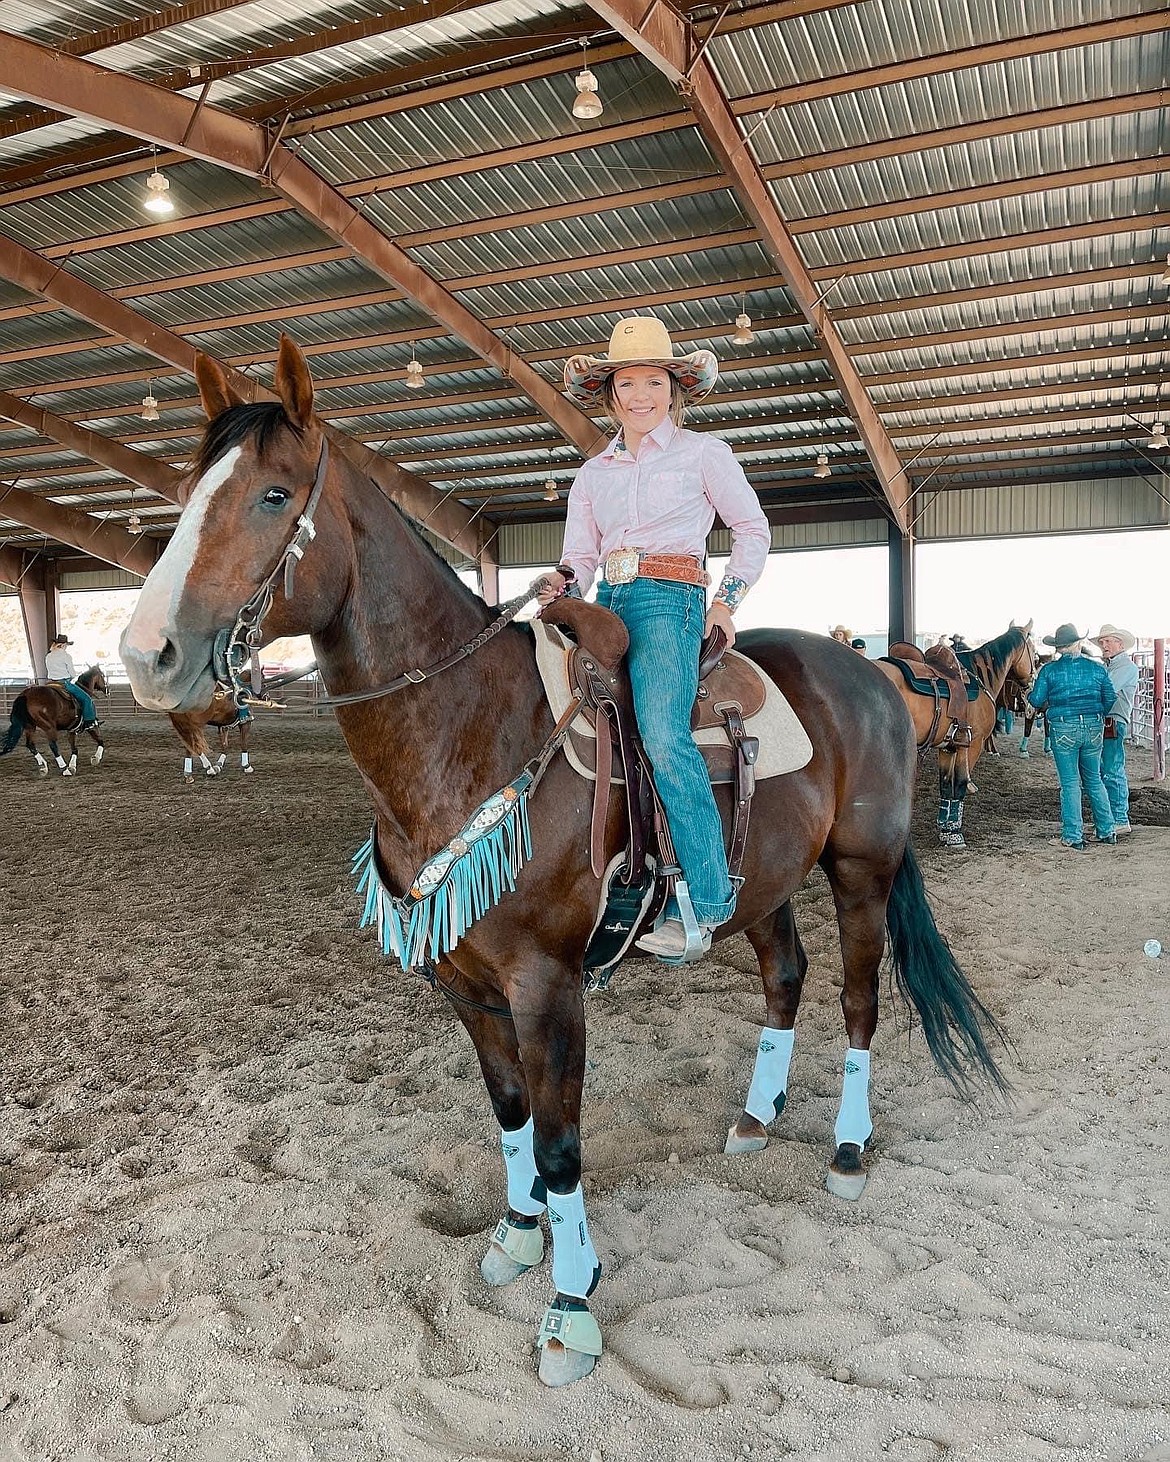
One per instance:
(971, 787)
(189, 781)
(560, 1366)
(847, 1177)
(569, 1341)
(211, 772)
(747, 1135)
(42, 772)
(66, 772)
(247, 771)
(515, 1248)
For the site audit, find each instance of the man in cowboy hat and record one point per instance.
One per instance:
(1075, 693)
(643, 507)
(1115, 644)
(59, 666)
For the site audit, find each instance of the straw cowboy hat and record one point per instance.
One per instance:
(640, 340)
(1066, 635)
(1128, 641)
(839, 630)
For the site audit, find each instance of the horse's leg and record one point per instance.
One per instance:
(71, 770)
(860, 892)
(30, 740)
(952, 788)
(245, 764)
(96, 758)
(221, 760)
(550, 1029)
(1029, 722)
(518, 1242)
(56, 750)
(783, 964)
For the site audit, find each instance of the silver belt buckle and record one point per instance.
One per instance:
(621, 567)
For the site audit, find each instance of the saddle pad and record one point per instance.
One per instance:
(784, 743)
(922, 685)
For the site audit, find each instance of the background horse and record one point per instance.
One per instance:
(1010, 655)
(223, 714)
(50, 709)
(377, 603)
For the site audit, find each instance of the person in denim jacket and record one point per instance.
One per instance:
(1075, 694)
(1115, 644)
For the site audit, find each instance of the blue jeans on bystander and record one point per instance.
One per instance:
(1076, 747)
(1113, 773)
(665, 621)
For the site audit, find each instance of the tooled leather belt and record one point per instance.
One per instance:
(624, 565)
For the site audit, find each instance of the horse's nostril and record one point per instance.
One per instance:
(167, 656)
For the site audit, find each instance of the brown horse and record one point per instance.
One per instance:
(377, 601)
(51, 709)
(223, 713)
(1010, 657)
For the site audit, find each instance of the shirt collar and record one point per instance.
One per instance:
(662, 436)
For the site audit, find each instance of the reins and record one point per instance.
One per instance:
(241, 645)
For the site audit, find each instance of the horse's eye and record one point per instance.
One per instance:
(276, 497)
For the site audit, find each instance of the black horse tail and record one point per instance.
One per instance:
(955, 1021)
(17, 726)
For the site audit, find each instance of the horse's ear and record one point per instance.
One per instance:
(215, 390)
(294, 384)
(1027, 628)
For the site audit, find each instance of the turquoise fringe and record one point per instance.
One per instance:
(455, 887)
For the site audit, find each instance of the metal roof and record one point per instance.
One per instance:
(978, 193)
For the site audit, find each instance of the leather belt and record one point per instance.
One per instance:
(624, 565)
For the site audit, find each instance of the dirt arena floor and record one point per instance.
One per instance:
(247, 1167)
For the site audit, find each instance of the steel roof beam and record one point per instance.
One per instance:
(79, 530)
(28, 270)
(216, 136)
(668, 42)
(136, 467)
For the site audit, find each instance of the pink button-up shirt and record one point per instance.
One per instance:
(664, 500)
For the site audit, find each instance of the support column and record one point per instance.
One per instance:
(52, 598)
(34, 613)
(1159, 709)
(901, 584)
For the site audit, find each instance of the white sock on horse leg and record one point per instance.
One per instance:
(186, 766)
(853, 1120)
(524, 1183)
(575, 1266)
(243, 758)
(206, 763)
(765, 1098)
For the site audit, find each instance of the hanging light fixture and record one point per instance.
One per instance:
(822, 467)
(158, 192)
(149, 404)
(587, 103)
(1157, 436)
(743, 327)
(133, 522)
(1166, 271)
(551, 495)
(414, 374)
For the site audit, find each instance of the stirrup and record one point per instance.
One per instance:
(697, 945)
(569, 1322)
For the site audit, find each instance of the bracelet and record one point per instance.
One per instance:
(731, 592)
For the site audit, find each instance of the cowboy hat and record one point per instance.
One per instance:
(1128, 641)
(640, 340)
(839, 629)
(60, 640)
(1066, 635)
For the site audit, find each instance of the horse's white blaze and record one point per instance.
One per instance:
(158, 601)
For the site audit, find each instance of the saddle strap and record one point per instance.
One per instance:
(601, 792)
(747, 752)
(598, 695)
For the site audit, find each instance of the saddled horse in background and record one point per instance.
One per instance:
(1010, 656)
(376, 602)
(223, 713)
(50, 709)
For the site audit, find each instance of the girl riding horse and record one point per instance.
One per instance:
(49, 709)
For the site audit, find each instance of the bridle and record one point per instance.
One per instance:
(1019, 684)
(239, 647)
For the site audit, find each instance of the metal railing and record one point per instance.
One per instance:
(301, 698)
(1149, 707)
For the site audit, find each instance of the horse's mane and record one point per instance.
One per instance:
(259, 421)
(995, 653)
(256, 419)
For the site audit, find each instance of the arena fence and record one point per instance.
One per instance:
(301, 699)
(1149, 708)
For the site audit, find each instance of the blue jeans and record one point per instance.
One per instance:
(88, 711)
(665, 621)
(1113, 774)
(1076, 747)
